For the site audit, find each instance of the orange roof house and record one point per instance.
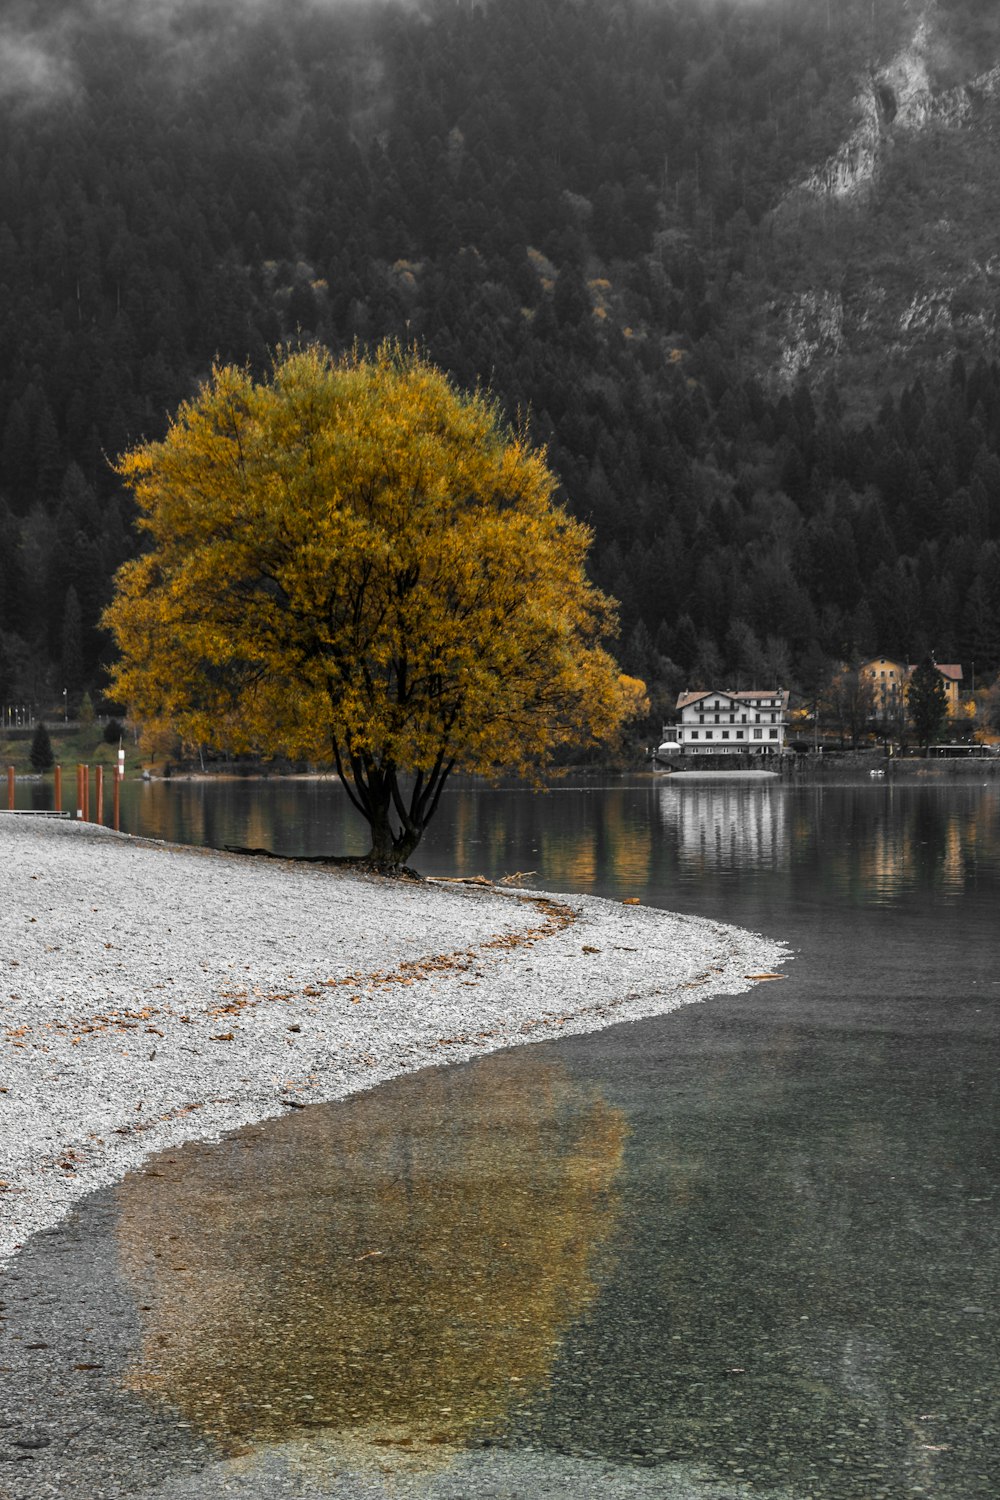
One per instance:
(889, 681)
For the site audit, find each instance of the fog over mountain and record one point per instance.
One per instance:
(736, 258)
(38, 50)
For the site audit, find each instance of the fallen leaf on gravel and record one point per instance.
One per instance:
(224, 1036)
(765, 976)
(588, 949)
(631, 901)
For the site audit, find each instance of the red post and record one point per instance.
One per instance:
(79, 790)
(57, 790)
(10, 788)
(99, 792)
(118, 802)
(86, 794)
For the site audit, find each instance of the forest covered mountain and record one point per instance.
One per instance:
(736, 259)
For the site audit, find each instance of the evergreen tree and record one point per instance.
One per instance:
(927, 702)
(40, 754)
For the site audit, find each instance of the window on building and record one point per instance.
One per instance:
(740, 734)
(694, 734)
(758, 734)
(708, 734)
(725, 734)
(772, 734)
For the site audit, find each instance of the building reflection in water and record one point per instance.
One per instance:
(893, 841)
(874, 843)
(725, 827)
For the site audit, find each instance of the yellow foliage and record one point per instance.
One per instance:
(634, 695)
(353, 558)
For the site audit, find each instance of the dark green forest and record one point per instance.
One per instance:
(577, 202)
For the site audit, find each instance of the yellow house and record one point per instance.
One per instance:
(888, 681)
(952, 674)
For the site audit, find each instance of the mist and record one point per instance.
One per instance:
(43, 61)
(39, 60)
(31, 68)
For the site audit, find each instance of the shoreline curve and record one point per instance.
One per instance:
(156, 993)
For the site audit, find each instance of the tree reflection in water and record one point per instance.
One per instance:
(369, 1268)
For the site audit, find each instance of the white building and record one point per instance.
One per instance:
(713, 722)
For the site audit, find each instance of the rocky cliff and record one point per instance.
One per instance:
(903, 271)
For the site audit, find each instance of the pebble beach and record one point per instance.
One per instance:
(152, 994)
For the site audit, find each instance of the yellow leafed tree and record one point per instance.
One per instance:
(352, 560)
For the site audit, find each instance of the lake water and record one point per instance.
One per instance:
(747, 1249)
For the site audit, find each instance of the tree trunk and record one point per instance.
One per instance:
(390, 850)
(375, 791)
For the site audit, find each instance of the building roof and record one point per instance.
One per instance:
(684, 700)
(951, 670)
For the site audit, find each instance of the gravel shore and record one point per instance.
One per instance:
(152, 994)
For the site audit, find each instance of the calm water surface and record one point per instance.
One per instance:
(748, 1249)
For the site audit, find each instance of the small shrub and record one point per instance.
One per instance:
(114, 730)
